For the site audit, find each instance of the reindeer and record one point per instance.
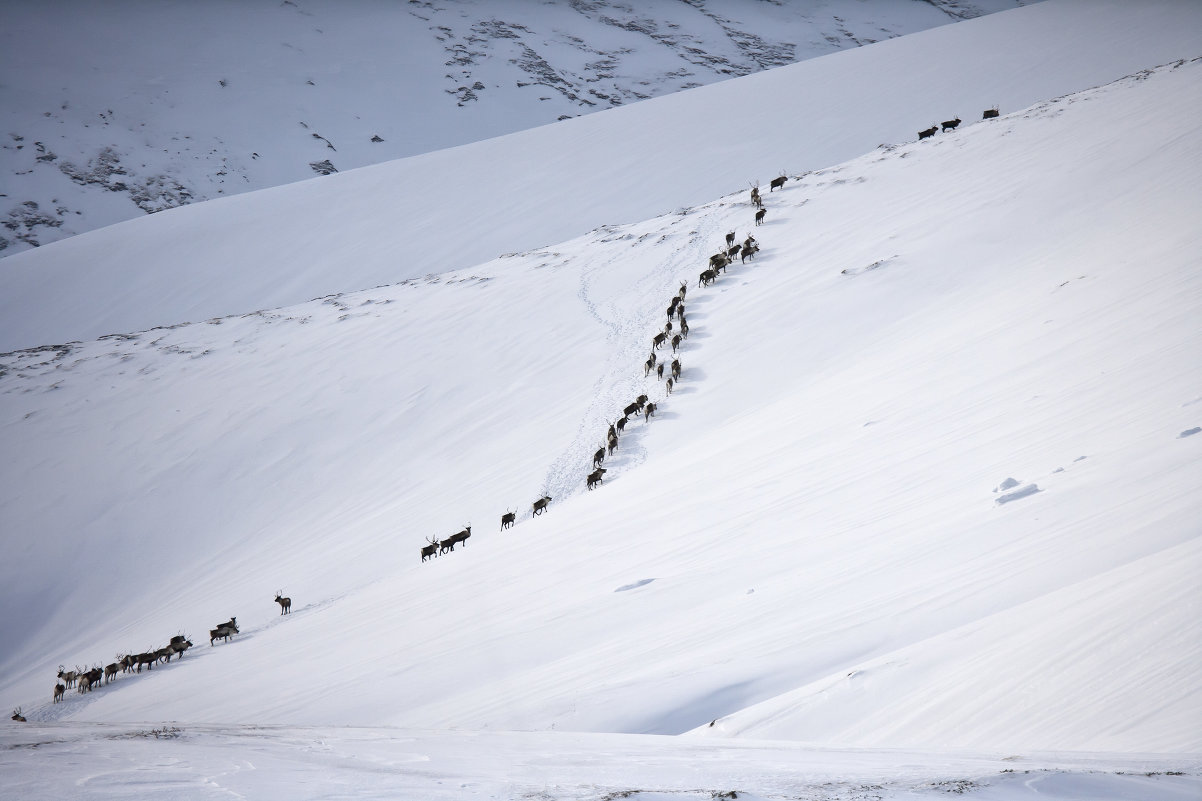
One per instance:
(540, 505)
(675, 344)
(612, 442)
(755, 197)
(659, 369)
(759, 216)
(647, 412)
(110, 671)
(631, 409)
(670, 384)
(928, 132)
(730, 238)
(621, 425)
(950, 125)
(285, 603)
(181, 643)
(599, 456)
(90, 679)
(68, 677)
(680, 311)
(718, 261)
(594, 478)
(748, 251)
(683, 289)
(223, 631)
(706, 278)
(778, 183)
(990, 113)
(658, 341)
(684, 327)
(648, 365)
(59, 691)
(147, 658)
(127, 663)
(676, 370)
(732, 251)
(17, 716)
(430, 549)
(450, 542)
(668, 327)
(507, 519)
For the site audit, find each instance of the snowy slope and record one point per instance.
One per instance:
(113, 110)
(808, 541)
(456, 208)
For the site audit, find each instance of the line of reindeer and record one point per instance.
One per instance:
(641, 405)
(87, 680)
(950, 125)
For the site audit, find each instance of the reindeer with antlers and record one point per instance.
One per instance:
(17, 716)
(508, 519)
(430, 550)
(285, 603)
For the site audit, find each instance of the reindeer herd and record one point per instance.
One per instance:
(950, 125)
(674, 333)
(86, 680)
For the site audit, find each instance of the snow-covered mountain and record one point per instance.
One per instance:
(456, 208)
(113, 110)
(920, 515)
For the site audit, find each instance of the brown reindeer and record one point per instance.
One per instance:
(748, 251)
(507, 519)
(594, 478)
(683, 289)
(430, 549)
(658, 341)
(670, 384)
(461, 537)
(676, 342)
(730, 238)
(755, 197)
(69, 677)
(950, 125)
(621, 425)
(759, 216)
(718, 261)
(648, 411)
(648, 365)
(659, 368)
(706, 278)
(928, 132)
(59, 691)
(676, 369)
(540, 505)
(17, 716)
(599, 456)
(778, 183)
(684, 327)
(285, 603)
(110, 672)
(990, 113)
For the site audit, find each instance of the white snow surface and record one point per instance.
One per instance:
(455, 208)
(794, 582)
(112, 110)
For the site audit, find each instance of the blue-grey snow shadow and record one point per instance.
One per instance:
(634, 586)
(718, 703)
